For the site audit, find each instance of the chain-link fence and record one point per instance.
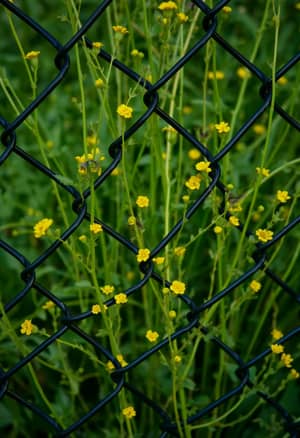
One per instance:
(69, 322)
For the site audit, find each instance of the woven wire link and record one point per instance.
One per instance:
(79, 204)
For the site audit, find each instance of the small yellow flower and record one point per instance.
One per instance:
(182, 17)
(82, 238)
(96, 309)
(121, 360)
(152, 336)
(264, 235)
(27, 327)
(262, 171)
(32, 55)
(99, 83)
(287, 360)
(48, 305)
(110, 366)
(193, 183)
(277, 349)
(107, 289)
(203, 166)
(120, 29)
(219, 75)
(179, 251)
(222, 127)
(234, 221)
(159, 260)
(294, 373)
(143, 255)
(124, 111)
(131, 221)
(194, 154)
(96, 228)
(227, 9)
(282, 196)
(178, 287)
(97, 45)
(177, 358)
(282, 81)
(255, 286)
(91, 140)
(259, 129)
(172, 314)
(276, 334)
(121, 298)
(136, 53)
(142, 201)
(243, 73)
(167, 6)
(40, 229)
(218, 229)
(129, 412)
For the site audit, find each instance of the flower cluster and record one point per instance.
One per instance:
(90, 162)
(285, 358)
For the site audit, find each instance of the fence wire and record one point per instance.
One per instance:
(69, 321)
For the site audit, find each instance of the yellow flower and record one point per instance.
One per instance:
(121, 298)
(219, 75)
(120, 29)
(169, 129)
(142, 201)
(165, 290)
(255, 286)
(178, 287)
(32, 55)
(158, 260)
(107, 289)
(277, 349)
(203, 166)
(96, 228)
(129, 412)
(222, 127)
(48, 305)
(136, 53)
(227, 9)
(234, 221)
(131, 220)
(282, 196)
(99, 83)
(194, 154)
(143, 255)
(152, 336)
(287, 360)
(40, 229)
(121, 360)
(110, 366)
(193, 183)
(264, 235)
(179, 251)
(177, 358)
(243, 73)
(259, 129)
(182, 17)
(294, 373)
(282, 81)
(167, 6)
(96, 309)
(262, 171)
(218, 229)
(125, 111)
(82, 238)
(276, 334)
(185, 198)
(97, 45)
(27, 327)
(91, 140)
(172, 314)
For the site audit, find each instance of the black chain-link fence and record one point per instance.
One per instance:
(122, 378)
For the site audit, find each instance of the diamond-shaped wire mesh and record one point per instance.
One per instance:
(32, 286)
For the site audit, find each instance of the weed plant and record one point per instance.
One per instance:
(158, 179)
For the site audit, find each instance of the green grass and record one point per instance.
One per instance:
(70, 377)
